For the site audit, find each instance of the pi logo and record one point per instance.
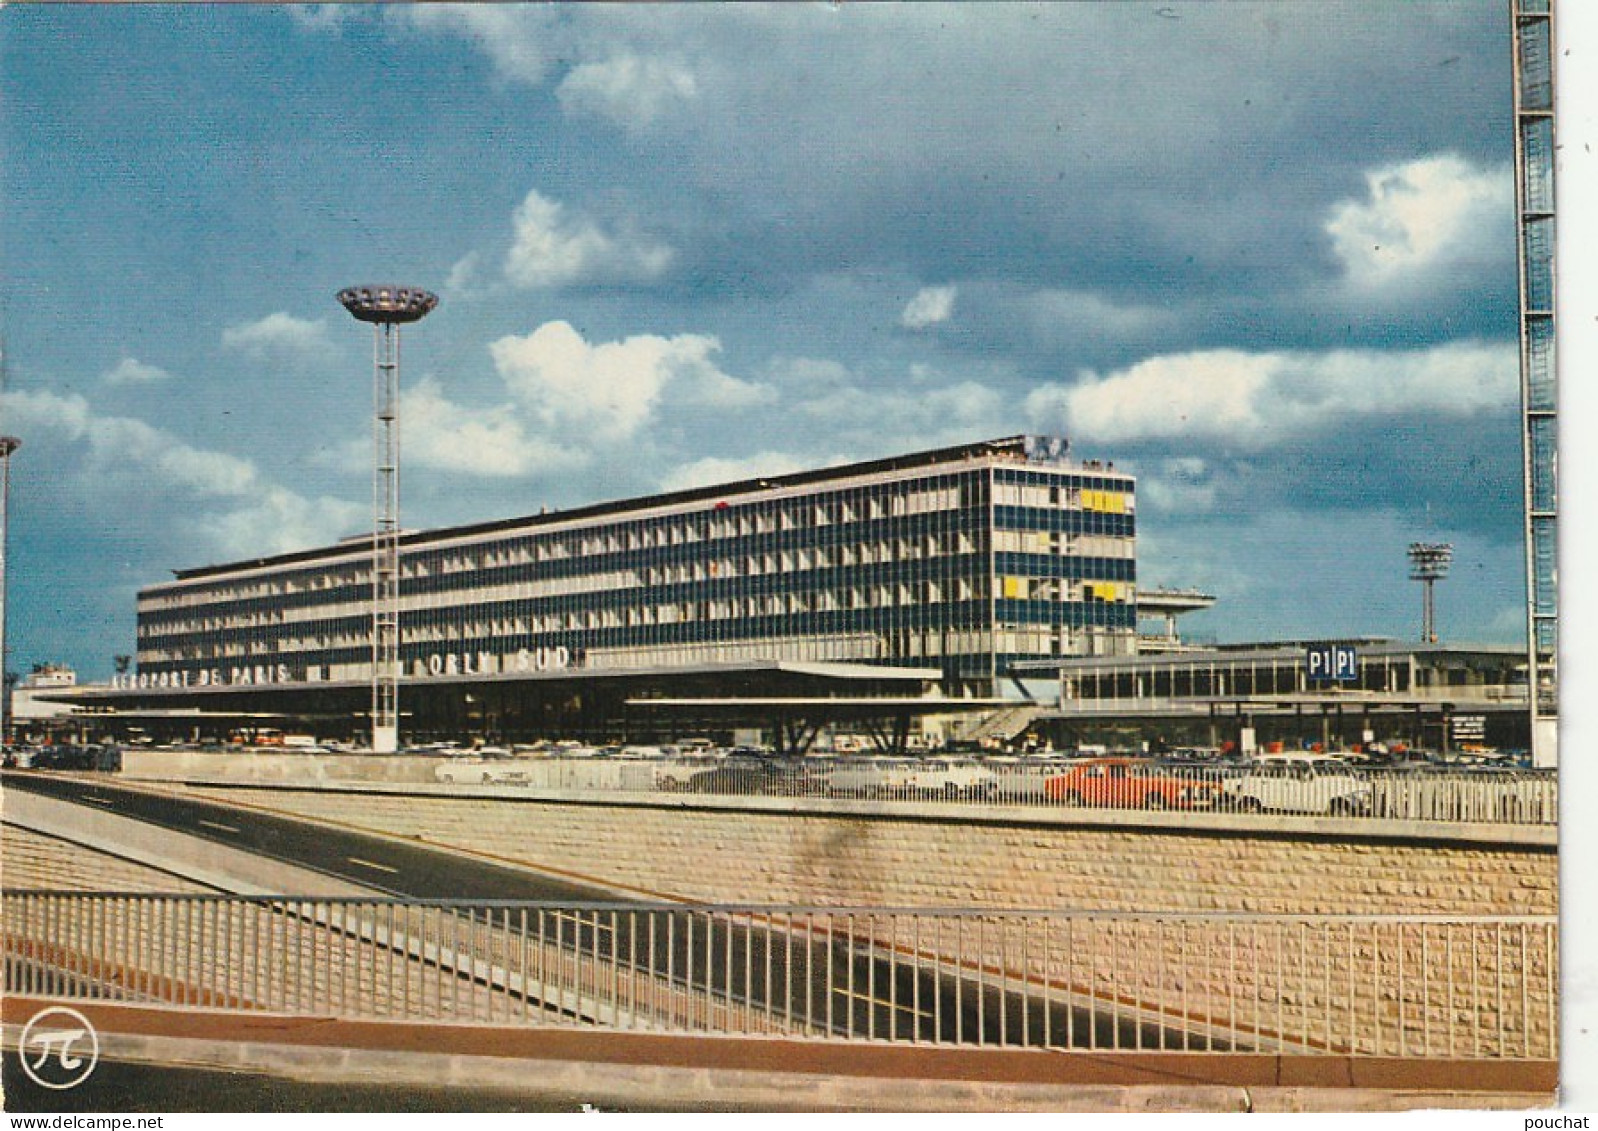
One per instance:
(59, 1048)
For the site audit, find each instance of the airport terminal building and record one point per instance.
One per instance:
(956, 562)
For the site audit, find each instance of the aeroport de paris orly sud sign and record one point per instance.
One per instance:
(1325, 663)
(487, 663)
(239, 675)
(436, 664)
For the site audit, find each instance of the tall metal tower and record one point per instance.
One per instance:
(386, 308)
(1428, 564)
(8, 444)
(1534, 198)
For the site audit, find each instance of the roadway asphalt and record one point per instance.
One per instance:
(843, 983)
(387, 866)
(129, 1088)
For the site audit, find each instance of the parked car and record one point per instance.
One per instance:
(75, 757)
(746, 776)
(1129, 783)
(951, 777)
(863, 777)
(677, 773)
(1299, 783)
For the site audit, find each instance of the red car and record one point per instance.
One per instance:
(1127, 783)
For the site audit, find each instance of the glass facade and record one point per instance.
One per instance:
(963, 559)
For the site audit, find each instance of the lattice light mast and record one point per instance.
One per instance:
(387, 308)
(8, 445)
(1534, 54)
(1428, 564)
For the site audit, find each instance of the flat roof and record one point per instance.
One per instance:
(1263, 652)
(92, 694)
(1009, 446)
(839, 706)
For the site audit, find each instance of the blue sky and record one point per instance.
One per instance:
(1263, 255)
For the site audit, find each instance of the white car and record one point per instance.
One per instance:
(951, 777)
(864, 777)
(1298, 783)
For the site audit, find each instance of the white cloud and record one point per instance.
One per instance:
(279, 335)
(553, 248)
(1422, 216)
(522, 41)
(877, 420)
(131, 371)
(489, 442)
(930, 306)
(275, 520)
(124, 466)
(798, 374)
(319, 17)
(613, 389)
(463, 275)
(1254, 399)
(1065, 315)
(626, 89)
(712, 470)
(1182, 484)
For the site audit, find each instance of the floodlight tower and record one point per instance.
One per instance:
(1428, 564)
(8, 444)
(387, 308)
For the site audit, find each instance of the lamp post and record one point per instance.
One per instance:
(387, 308)
(1428, 564)
(8, 444)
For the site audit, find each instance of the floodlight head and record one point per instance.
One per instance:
(387, 304)
(8, 444)
(1429, 561)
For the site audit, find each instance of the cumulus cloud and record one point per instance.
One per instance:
(1254, 399)
(613, 389)
(554, 248)
(1424, 216)
(712, 469)
(131, 371)
(221, 499)
(627, 89)
(523, 41)
(280, 336)
(930, 306)
(489, 442)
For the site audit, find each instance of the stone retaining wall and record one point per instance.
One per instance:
(677, 851)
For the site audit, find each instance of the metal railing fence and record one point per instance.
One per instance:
(1519, 797)
(1408, 986)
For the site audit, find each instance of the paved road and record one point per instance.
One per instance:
(130, 1088)
(837, 979)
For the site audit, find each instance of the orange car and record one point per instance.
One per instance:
(1127, 783)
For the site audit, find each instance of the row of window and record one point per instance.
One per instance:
(939, 496)
(926, 555)
(957, 579)
(774, 617)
